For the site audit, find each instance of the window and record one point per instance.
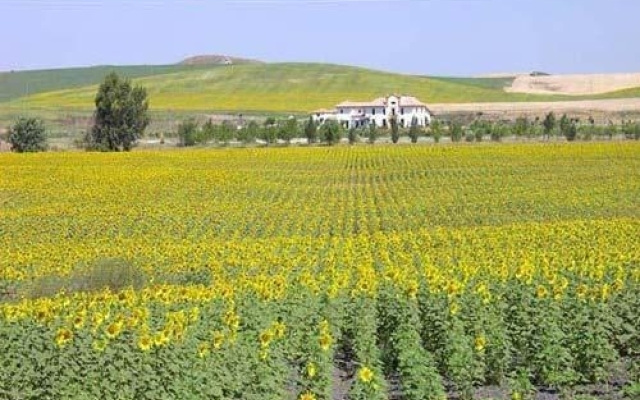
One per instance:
(384, 110)
(384, 123)
(341, 111)
(402, 111)
(373, 111)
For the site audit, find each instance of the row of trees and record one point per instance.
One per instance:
(190, 133)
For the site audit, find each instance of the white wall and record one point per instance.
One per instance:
(420, 112)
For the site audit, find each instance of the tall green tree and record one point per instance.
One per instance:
(28, 135)
(311, 130)
(455, 130)
(436, 130)
(414, 130)
(568, 127)
(121, 115)
(522, 127)
(395, 130)
(549, 124)
(372, 133)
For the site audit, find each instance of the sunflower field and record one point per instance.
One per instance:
(317, 273)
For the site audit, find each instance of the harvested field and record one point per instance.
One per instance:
(579, 85)
(603, 108)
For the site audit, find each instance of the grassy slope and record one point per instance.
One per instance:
(285, 87)
(14, 85)
(288, 87)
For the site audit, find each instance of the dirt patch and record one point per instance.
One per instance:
(602, 108)
(585, 84)
(4, 146)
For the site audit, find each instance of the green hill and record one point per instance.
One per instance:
(287, 87)
(18, 84)
(255, 87)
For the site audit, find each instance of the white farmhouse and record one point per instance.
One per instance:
(379, 111)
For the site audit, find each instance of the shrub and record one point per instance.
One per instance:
(330, 132)
(436, 130)
(353, 136)
(188, 133)
(469, 136)
(27, 135)
(455, 130)
(372, 133)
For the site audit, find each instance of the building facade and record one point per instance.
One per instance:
(380, 111)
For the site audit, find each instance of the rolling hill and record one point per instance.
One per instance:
(206, 84)
(286, 87)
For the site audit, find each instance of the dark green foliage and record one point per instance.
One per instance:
(480, 129)
(249, 133)
(270, 121)
(499, 131)
(269, 133)
(288, 130)
(121, 115)
(414, 130)
(352, 135)
(207, 133)
(522, 127)
(631, 130)
(28, 135)
(565, 126)
(372, 133)
(311, 130)
(436, 130)
(188, 133)
(330, 132)
(455, 130)
(549, 124)
(469, 136)
(225, 132)
(395, 133)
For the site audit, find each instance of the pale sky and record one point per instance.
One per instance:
(432, 37)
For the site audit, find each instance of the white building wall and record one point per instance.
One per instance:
(380, 117)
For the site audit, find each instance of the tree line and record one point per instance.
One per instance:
(121, 117)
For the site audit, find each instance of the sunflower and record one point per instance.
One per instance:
(279, 329)
(265, 338)
(365, 374)
(307, 396)
(311, 369)
(161, 338)
(203, 350)
(145, 342)
(63, 336)
(114, 329)
(325, 341)
(218, 339)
